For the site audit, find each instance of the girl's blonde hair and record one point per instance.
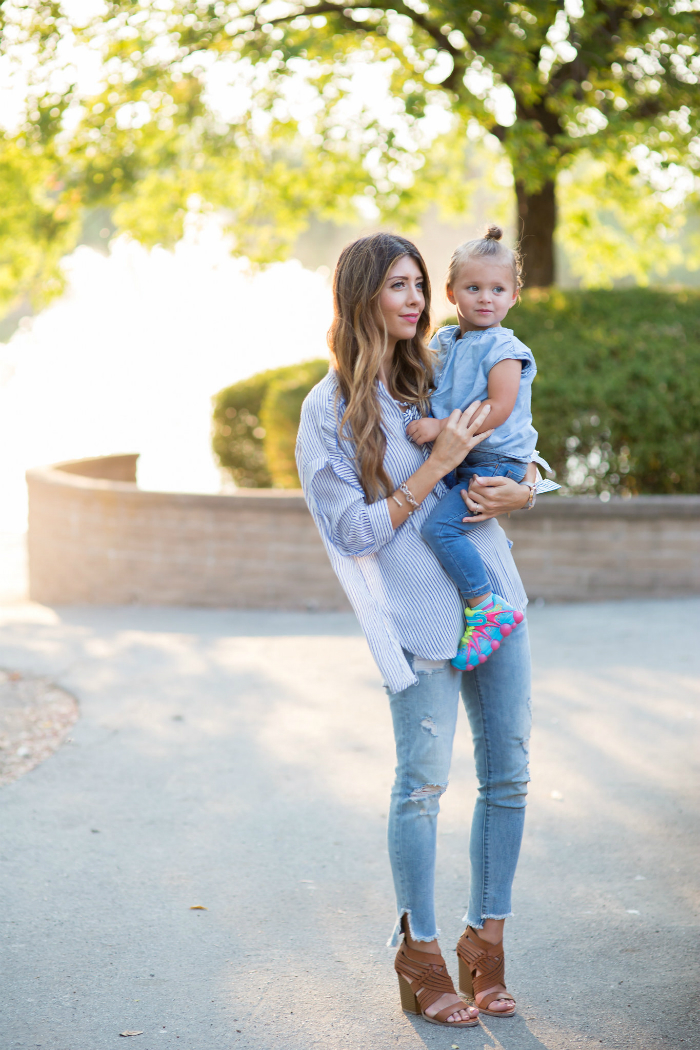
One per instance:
(487, 247)
(357, 339)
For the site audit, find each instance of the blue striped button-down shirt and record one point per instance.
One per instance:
(400, 593)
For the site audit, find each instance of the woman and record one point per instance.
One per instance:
(370, 489)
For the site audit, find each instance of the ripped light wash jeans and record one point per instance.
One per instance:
(496, 697)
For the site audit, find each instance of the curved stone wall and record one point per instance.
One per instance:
(95, 537)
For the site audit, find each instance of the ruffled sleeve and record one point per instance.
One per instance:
(502, 345)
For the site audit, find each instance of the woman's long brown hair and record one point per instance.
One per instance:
(357, 339)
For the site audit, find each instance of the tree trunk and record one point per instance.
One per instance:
(537, 218)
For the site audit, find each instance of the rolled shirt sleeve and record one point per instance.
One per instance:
(355, 527)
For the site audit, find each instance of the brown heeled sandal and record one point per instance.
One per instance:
(423, 979)
(475, 954)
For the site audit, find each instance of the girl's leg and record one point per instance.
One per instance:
(448, 537)
(496, 696)
(424, 718)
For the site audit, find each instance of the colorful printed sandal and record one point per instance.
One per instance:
(475, 954)
(423, 979)
(480, 640)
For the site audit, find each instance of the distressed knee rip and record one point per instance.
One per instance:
(427, 791)
(429, 726)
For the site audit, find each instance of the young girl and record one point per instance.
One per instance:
(479, 360)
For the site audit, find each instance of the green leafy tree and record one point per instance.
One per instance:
(562, 84)
(549, 80)
(40, 213)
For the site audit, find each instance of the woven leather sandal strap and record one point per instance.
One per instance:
(494, 997)
(428, 978)
(448, 1011)
(490, 960)
(492, 973)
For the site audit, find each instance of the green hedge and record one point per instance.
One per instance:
(617, 395)
(256, 421)
(616, 399)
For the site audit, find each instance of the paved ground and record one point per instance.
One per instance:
(242, 762)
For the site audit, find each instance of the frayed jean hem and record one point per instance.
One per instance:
(393, 941)
(478, 924)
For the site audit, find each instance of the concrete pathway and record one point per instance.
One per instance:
(242, 762)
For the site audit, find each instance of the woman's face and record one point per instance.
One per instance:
(401, 300)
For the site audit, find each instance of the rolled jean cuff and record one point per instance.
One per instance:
(396, 932)
(478, 924)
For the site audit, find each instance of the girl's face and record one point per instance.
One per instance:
(483, 294)
(401, 300)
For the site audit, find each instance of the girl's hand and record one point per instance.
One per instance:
(421, 431)
(458, 437)
(489, 497)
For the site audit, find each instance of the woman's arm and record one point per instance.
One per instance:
(489, 497)
(335, 497)
(452, 445)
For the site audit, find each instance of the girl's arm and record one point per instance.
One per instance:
(503, 386)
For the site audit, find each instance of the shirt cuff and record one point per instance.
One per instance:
(380, 522)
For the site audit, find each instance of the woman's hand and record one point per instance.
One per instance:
(489, 497)
(459, 436)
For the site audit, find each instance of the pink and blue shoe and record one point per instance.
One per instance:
(487, 625)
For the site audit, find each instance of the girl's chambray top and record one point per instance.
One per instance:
(464, 363)
(401, 595)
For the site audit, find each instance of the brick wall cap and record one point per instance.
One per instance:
(616, 507)
(68, 474)
(242, 499)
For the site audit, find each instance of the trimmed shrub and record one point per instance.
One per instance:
(616, 400)
(238, 434)
(281, 412)
(617, 396)
(255, 424)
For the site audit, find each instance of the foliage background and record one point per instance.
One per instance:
(616, 400)
(617, 396)
(153, 112)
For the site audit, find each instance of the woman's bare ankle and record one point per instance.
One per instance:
(422, 946)
(491, 931)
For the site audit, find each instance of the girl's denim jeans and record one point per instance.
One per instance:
(447, 534)
(496, 696)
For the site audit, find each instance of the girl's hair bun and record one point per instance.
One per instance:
(490, 246)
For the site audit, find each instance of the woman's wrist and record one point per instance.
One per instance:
(530, 488)
(437, 469)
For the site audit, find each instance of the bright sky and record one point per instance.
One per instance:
(128, 359)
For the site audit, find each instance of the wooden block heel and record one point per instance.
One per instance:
(465, 984)
(409, 1003)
